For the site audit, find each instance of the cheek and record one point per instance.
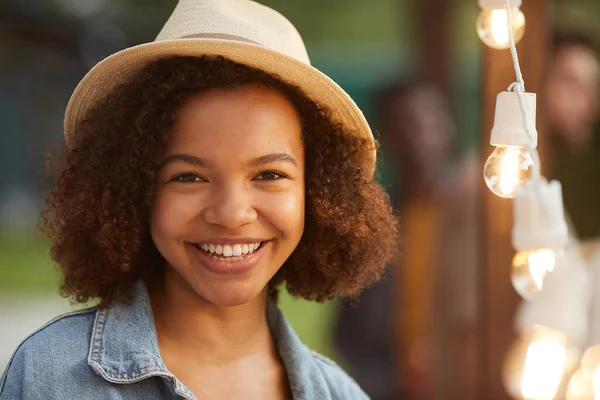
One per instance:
(285, 212)
(171, 214)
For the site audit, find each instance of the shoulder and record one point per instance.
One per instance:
(56, 346)
(341, 385)
(62, 332)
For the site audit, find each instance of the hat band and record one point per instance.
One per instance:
(225, 36)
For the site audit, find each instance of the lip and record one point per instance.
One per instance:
(242, 240)
(228, 267)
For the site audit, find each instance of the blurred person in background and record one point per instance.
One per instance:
(363, 336)
(572, 89)
(421, 321)
(572, 101)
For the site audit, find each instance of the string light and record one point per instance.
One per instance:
(513, 171)
(492, 22)
(529, 269)
(536, 364)
(554, 322)
(515, 159)
(512, 162)
(585, 382)
(552, 328)
(539, 235)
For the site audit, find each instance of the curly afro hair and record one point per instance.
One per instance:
(97, 216)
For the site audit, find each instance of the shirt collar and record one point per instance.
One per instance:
(304, 376)
(124, 347)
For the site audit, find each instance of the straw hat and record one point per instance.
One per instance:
(241, 30)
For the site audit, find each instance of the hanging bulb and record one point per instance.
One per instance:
(539, 234)
(492, 26)
(551, 328)
(511, 164)
(507, 169)
(529, 269)
(537, 362)
(585, 382)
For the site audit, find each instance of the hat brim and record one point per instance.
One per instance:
(121, 66)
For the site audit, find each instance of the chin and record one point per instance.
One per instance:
(229, 294)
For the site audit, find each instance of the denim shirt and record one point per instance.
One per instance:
(114, 354)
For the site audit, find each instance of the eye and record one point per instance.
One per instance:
(270, 176)
(188, 178)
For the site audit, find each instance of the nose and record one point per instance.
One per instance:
(230, 207)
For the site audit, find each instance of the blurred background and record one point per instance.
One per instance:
(440, 322)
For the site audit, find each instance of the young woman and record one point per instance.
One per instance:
(203, 171)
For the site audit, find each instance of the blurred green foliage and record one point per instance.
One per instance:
(25, 266)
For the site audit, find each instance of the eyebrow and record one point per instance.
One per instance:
(270, 158)
(186, 158)
(203, 163)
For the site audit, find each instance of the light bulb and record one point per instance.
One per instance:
(492, 27)
(529, 269)
(507, 169)
(535, 366)
(585, 382)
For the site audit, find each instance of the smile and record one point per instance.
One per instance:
(232, 258)
(229, 252)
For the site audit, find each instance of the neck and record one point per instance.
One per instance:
(187, 323)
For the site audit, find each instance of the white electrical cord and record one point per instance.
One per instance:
(519, 88)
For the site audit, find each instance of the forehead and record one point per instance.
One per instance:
(236, 122)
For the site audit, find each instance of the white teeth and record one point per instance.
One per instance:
(228, 259)
(237, 250)
(232, 252)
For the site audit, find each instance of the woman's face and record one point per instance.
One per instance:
(232, 180)
(572, 94)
